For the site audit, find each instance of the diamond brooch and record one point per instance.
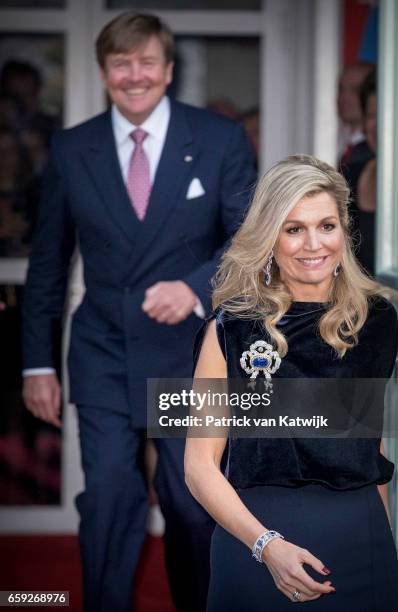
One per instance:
(260, 358)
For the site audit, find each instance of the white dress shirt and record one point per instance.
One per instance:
(156, 126)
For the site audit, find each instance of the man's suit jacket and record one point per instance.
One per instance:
(114, 345)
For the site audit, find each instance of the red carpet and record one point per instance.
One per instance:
(52, 562)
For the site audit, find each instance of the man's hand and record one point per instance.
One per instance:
(42, 396)
(169, 302)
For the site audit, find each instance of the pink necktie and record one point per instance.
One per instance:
(138, 181)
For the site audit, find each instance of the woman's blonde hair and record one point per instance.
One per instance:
(239, 285)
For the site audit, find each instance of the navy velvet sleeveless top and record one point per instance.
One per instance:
(334, 463)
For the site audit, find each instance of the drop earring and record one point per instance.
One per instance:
(268, 277)
(337, 269)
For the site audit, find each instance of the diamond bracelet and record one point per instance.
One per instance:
(261, 543)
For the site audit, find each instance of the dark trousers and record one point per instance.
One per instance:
(113, 511)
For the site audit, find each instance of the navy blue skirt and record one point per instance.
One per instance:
(347, 530)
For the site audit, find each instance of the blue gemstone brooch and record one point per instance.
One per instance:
(260, 358)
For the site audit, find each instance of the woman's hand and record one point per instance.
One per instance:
(285, 562)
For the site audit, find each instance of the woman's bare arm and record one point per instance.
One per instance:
(212, 490)
(203, 457)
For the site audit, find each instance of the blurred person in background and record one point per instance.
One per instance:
(22, 82)
(353, 147)
(365, 195)
(360, 174)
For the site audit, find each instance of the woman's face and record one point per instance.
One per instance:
(309, 247)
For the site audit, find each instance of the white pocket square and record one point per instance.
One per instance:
(195, 189)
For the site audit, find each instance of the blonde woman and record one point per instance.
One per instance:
(314, 512)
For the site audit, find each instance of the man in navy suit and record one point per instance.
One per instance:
(152, 190)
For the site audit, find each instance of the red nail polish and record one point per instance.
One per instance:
(325, 570)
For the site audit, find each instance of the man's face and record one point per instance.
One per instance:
(348, 103)
(136, 81)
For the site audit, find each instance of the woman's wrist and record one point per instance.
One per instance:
(262, 542)
(270, 549)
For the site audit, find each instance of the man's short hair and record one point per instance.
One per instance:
(128, 31)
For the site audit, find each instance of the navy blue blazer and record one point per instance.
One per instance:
(114, 345)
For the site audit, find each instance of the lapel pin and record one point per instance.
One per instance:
(188, 158)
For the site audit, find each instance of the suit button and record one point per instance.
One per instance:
(127, 290)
